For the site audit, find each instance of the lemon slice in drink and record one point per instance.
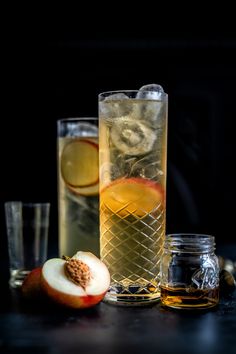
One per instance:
(136, 196)
(79, 164)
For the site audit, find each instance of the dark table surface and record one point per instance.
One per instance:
(40, 328)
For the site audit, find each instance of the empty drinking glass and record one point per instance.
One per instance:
(27, 233)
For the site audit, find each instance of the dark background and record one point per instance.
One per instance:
(58, 71)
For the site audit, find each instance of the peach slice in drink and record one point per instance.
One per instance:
(137, 196)
(86, 191)
(79, 166)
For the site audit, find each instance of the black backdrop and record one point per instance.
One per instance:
(59, 73)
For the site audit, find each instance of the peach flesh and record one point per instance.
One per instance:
(62, 290)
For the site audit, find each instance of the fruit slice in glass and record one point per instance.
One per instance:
(79, 166)
(136, 196)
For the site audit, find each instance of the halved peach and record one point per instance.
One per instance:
(31, 287)
(84, 286)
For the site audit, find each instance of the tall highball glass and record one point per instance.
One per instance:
(132, 145)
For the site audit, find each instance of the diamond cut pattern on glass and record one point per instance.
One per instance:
(131, 246)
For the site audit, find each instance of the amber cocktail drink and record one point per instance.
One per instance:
(132, 140)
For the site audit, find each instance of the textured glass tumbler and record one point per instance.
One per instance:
(189, 272)
(27, 233)
(132, 145)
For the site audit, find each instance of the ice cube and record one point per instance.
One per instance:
(82, 129)
(148, 167)
(116, 96)
(132, 137)
(125, 164)
(114, 106)
(150, 92)
(109, 171)
(151, 111)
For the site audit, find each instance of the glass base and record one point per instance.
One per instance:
(17, 277)
(116, 296)
(190, 308)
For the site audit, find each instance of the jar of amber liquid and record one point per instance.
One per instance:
(189, 272)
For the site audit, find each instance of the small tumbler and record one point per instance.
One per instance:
(27, 232)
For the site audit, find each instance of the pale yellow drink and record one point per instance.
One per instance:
(132, 141)
(78, 189)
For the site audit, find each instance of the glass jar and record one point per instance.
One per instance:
(189, 272)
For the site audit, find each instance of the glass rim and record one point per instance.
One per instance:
(76, 119)
(27, 204)
(189, 242)
(191, 236)
(107, 93)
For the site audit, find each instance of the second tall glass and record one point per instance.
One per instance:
(133, 140)
(78, 185)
